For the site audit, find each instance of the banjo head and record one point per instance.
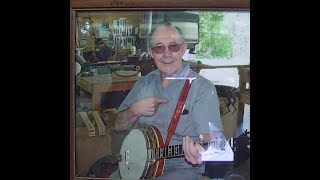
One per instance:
(133, 155)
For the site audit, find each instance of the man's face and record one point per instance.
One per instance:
(168, 62)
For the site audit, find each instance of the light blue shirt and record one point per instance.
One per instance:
(202, 103)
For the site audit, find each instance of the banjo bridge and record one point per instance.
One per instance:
(126, 157)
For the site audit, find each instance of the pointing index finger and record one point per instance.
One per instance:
(161, 100)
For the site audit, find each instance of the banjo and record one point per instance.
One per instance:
(143, 154)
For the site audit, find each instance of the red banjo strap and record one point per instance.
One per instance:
(178, 110)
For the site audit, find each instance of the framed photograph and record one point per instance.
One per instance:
(123, 26)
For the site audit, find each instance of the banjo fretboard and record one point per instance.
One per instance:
(169, 151)
(165, 152)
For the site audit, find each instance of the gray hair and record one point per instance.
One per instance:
(166, 24)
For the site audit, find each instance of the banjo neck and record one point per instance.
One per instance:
(177, 150)
(169, 151)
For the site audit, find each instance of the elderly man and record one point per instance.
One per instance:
(154, 97)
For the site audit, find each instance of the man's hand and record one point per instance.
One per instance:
(146, 107)
(143, 107)
(192, 151)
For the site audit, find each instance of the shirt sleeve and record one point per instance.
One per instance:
(132, 96)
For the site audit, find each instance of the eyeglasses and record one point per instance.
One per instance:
(161, 48)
